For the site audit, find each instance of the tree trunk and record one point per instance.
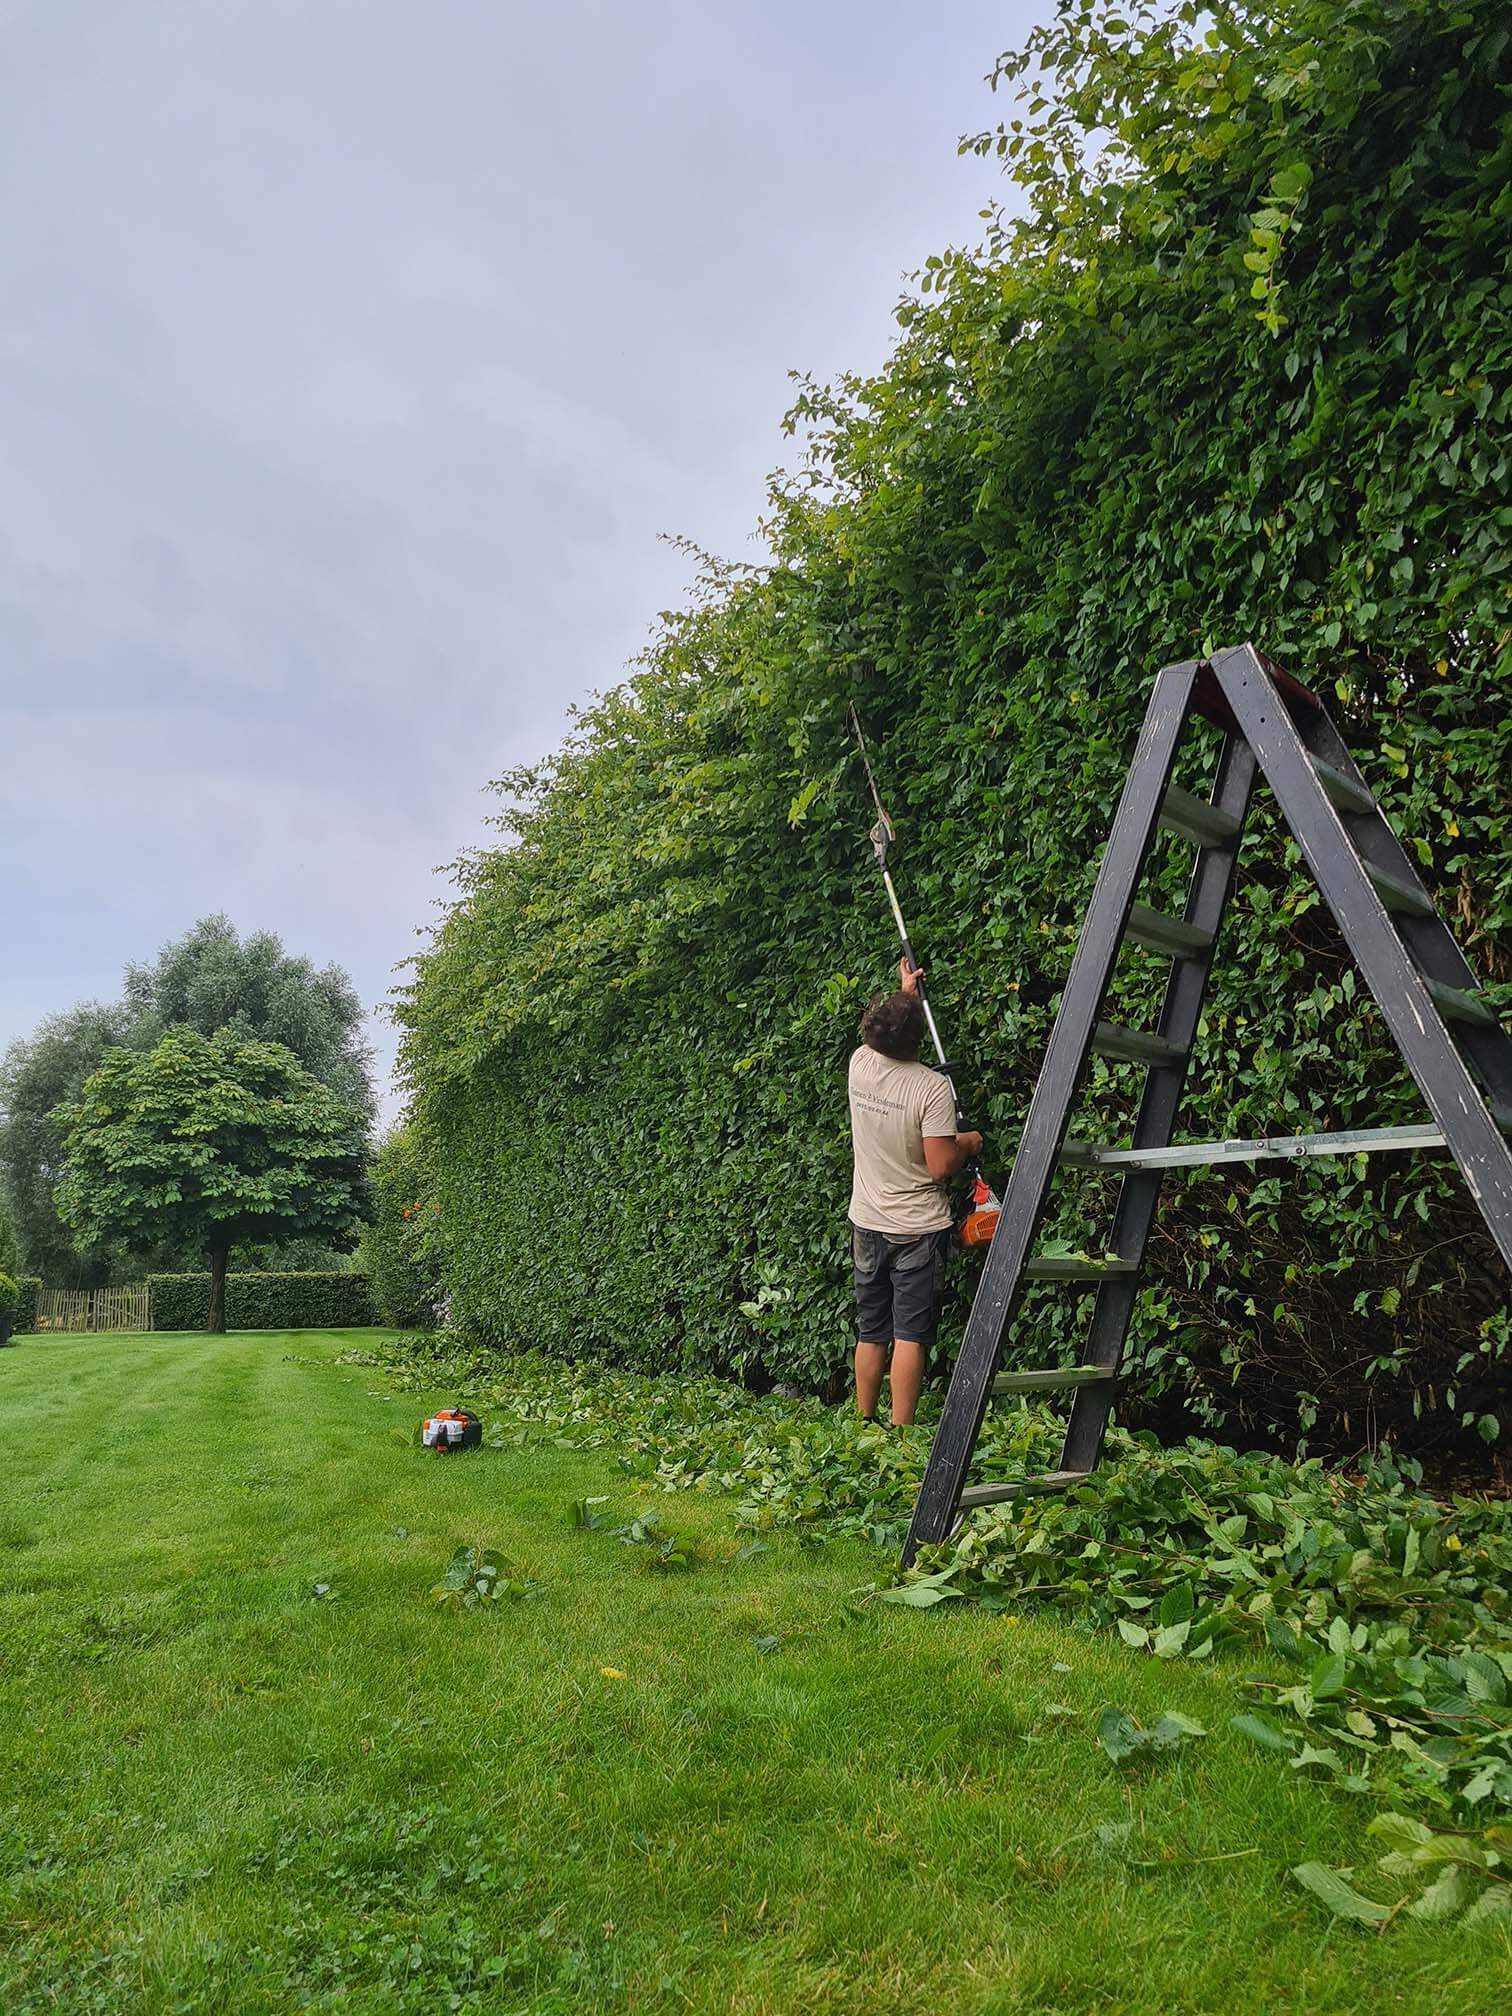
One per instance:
(215, 1322)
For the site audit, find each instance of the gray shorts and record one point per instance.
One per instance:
(899, 1281)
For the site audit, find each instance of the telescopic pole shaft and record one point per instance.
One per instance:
(881, 833)
(908, 954)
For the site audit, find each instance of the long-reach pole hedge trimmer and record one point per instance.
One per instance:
(981, 1220)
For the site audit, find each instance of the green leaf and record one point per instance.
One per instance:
(947, 1734)
(1260, 1731)
(1123, 1738)
(919, 1595)
(1175, 1727)
(1484, 1679)
(1341, 1898)
(1399, 1831)
(1448, 1893)
(1328, 1676)
(1313, 1755)
(1281, 1638)
(798, 810)
(1178, 1604)
(1494, 1903)
(1118, 1734)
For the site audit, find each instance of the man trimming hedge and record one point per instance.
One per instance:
(903, 1129)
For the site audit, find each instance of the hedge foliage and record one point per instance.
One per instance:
(399, 1249)
(1242, 370)
(25, 1319)
(264, 1301)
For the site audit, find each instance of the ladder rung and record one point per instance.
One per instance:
(1134, 1046)
(1345, 792)
(1459, 1005)
(1165, 934)
(1268, 1148)
(1051, 1381)
(1023, 1487)
(1398, 895)
(1195, 819)
(1055, 1268)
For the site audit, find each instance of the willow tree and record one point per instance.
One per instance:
(208, 1141)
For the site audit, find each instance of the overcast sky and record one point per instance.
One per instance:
(354, 354)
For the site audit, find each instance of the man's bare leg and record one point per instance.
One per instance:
(871, 1363)
(907, 1379)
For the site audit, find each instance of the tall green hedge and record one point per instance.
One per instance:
(1246, 375)
(264, 1301)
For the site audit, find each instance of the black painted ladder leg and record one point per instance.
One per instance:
(1034, 1166)
(1477, 1032)
(1389, 923)
(1207, 899)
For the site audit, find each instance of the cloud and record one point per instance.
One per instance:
(355, 355)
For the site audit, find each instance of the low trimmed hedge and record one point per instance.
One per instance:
(26, 1309)
(264, 1301)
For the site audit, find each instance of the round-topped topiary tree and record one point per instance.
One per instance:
(214, 1141)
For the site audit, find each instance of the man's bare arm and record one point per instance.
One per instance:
(944, 1154)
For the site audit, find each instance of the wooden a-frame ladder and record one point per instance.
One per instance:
(1450, 1040)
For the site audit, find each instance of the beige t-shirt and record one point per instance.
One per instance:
(893, 1106)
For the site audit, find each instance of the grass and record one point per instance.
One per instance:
(226, 1795)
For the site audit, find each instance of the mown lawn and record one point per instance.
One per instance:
(222, 1794)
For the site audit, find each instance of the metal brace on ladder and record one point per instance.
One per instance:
(1450, 1040)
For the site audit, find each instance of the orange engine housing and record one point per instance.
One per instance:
(980, 1226)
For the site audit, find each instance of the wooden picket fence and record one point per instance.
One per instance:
(95, 1309)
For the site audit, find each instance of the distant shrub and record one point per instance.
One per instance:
(10, 1299)
(264, 1301)
(30, 1287)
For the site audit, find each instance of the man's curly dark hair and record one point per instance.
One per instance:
(894, 1024)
